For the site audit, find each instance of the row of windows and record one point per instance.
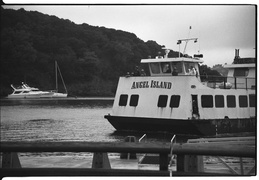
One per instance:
(133, 100)
(168, 67)
(174, 101)
(162, 100)
(207, 101)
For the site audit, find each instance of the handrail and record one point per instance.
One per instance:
(9, 150)
(171, 146)
(220, 149)
(171, 151)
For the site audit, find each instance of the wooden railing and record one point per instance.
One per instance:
(163, 149)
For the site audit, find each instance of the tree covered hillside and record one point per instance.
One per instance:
(91, 58)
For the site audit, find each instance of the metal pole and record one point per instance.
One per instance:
(62, 79)
(56, 74)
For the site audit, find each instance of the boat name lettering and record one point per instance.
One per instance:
(151, 84)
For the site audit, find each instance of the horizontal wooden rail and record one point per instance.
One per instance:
(10, 172)
(213, 149)
(186, 163)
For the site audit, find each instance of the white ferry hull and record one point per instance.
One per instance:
(179, 126)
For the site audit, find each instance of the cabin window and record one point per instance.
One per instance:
(240, 72)
(231, 101)
(134, 100)
(178, 66)
(188, 67)
(219, 101)
(207, 101)
(155, 69)
(252, 100)
(162, 101)
(123, 100)
(166, 67)
(175, 101)
(17, 92)
(243, 101)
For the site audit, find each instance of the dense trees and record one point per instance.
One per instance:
(91, 58)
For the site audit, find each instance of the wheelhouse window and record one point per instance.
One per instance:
(243, 101)
(231, 101)
(155, 68)
(240, 72)
(123, 100)
(134, 100)
(178, 66)
(188, 66)
(162, 101)
(175, 101)
(166, 67)
(207, 101)
(219, 101)
(252, 100)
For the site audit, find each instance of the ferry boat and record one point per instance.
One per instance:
(177, 98)
(25, 91)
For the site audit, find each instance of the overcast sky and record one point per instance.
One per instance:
(220, 28)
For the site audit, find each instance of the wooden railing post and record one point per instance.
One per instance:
(163, 162)
(10, 160)
(101, 160)
(193, 163)
(180, 163)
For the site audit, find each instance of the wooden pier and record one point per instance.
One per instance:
(187, 156)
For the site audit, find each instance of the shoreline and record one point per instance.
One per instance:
(68, 98)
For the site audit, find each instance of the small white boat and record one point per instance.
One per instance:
(25, 91)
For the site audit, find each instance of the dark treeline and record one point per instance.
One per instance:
(91, 58)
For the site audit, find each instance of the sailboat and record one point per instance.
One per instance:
(25, 91)
(55, 93)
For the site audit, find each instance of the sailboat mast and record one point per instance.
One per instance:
(56, 73)
(61, 78)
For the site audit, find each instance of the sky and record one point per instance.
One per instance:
(220, 29)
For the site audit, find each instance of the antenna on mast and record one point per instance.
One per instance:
(187, 38)
(186, 41)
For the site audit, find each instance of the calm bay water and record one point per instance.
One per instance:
(72, 119)
(56, 120)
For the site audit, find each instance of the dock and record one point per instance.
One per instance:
(203, 157)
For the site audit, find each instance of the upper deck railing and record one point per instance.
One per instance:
(224, 82)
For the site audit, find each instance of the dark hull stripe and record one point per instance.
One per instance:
(179, 126)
